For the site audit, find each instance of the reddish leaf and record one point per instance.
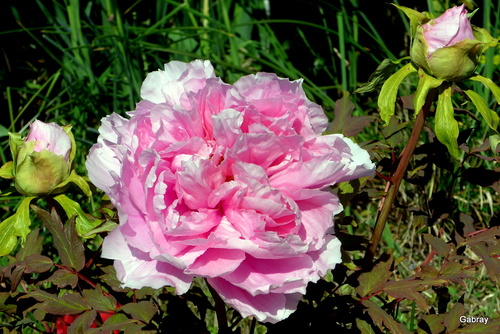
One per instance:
(83, 322)
(407, 289)
(33, 245)
(492, 327)
(452, 318)
(488, 236)
(344, 122)
(454, 272)
(143, 310)
(492, 264)
(63, 278)
(364, 327)
(59, 305)
(432, 323)
(98, 301)
(441, 247)
(375, 279)
(37, 264)
(381, 318)
(66, 241)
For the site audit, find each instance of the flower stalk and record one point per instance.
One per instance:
(397, 177)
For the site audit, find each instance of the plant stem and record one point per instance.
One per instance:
(395, 182)
(220, 310)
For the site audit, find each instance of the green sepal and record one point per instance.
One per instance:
(483, 36)
(83, 222)
(389, 91)
(446, 126)
(7, 170)
(489, 115)
(495, 90)
(72, 153)
(416, 18)
(75, 179)
(16, 226)
(425, 84)
(15, 142)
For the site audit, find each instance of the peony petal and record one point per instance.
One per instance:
(272, 307)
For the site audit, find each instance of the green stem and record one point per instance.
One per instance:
(395, 182)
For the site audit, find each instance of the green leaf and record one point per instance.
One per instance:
(66, 240)
(495, 90)
(364, 327)
(84, 223)
(446, 126)
(78, 181)
(3, 131)
(489, 115)
(416, 18)
(16, 226)
(381, 74)
(425, 84)
(59, 305)
(143, 311)
(389, 91)
(434, 323)
(6, 170)
(375, 279)
(494, 141)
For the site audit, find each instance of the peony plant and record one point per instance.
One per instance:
(445, 51)
(224, 182)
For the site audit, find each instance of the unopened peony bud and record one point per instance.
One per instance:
(449, 47)
(43, 160)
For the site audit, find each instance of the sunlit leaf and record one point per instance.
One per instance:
(490, 84)
(375, 279)
(389, 91)
(425, 84)
(143, 310)
(381, 318)
(14, 227)
(446, 126)
(84, 223)
(489, 115)
(60, 305)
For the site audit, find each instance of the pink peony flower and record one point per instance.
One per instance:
(225, 182)
(448, 29)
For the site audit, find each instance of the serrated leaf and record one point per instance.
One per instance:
(62, 278)
(82, 324)
(488, 236)
(60, 305)
(143, 311)
(454, 272)
(98, 301)
(452, 318)
(381, 318)
(425, 84)
(407, 289)
(489, 115)
(446, 126)
(14, 227)
(490, 84)
(83, 222)
(66, 240)
(374, 280)
(441, 247)
(389, 91)
(344, 122)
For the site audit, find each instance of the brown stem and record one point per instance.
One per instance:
(395, 182)
(220, 310)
